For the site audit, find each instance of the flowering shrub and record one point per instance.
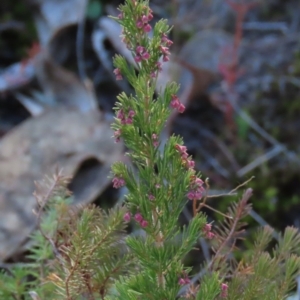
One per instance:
(83, 254)
(165, 181)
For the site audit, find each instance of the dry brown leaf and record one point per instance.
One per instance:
(60, 137)
(62, 87)
(51, 15)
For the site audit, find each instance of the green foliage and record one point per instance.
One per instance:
(262, 275)
(91, 253)
(14, 283)
(76, 251)
(157, 194)
(209, 288)
(82, 252)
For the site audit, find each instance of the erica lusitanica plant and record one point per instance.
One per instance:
(163, 178)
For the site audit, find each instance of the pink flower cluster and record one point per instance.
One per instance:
(126, 119)
(224, 290)
(142, 22)
(184, 279)
(196, 189)
(121, 16)
(207, 230)
(155, 140)
(151, 197)
(165, 41)
(184, 156)
(158, 66)
(165, 53)
(139, 218)
(127, 217)
(164, 48)
(118, 74)
(141, 54)
(118, 182)
(175, 103)
(117, 135)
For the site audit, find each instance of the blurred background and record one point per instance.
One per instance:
(238, 64)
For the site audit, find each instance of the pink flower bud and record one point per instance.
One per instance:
(144, 19)
(191, 195)
(181, 108)
(139, 23)
(199, 194)
(118, 74)
(138, 217)
(164, 50)
(147, 28)
(207, 227)
(165, 40)
(166, 58)
(199, 181)
(120, 114)
(128, 121)
(175, 102)
(140, 49)
(131, 113)
(145, 56)
(150, 17)
(117, 135)
(158, 65)
(138, 59)
(151, 197)
(210, 235)
(144, 223)
(191, 164)
(118, 182)
(181, 149)
(184, 158)
(127, 217)
(187, 280)
(181, 281)
(224, 290)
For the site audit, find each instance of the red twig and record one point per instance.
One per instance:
(230, 70)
